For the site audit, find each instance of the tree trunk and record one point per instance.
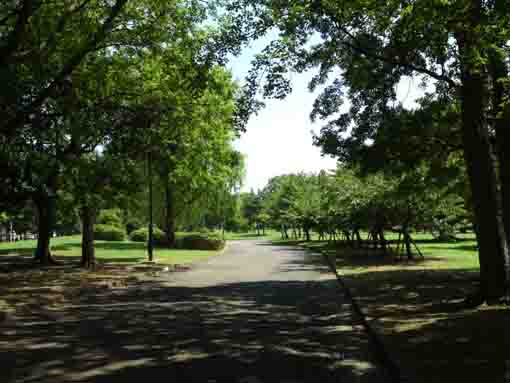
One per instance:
(499, 71)
(45, 213)
(382, 239)
(477, 154)
(169, 217)
(88, 218)
(407, 243)
(347, 236)
(359, 241)
(306, 231)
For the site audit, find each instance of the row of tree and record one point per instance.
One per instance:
(341, 204)
(100, 98)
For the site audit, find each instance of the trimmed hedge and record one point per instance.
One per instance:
(109, 233)
(200, 242)
(142, 235)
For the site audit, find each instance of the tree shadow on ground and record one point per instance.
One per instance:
(425, 321)
(276, 331)
(15, 251)
(428, 326)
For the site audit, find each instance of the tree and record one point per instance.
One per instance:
(374, 46)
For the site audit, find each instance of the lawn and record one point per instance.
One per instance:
(108, 251)
(418, 308)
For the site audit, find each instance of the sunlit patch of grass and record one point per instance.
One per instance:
(108, 251)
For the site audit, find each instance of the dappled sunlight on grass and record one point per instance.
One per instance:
(419, 309)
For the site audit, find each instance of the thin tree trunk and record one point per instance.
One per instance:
(477, 154)
(359, 241)
(407, 243)
(88, 218)
(382, 239)
(306, 232)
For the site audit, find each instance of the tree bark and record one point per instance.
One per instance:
(477, 154)
(499, 71)
(88, 218)
(45, 211)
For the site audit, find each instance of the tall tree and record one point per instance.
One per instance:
(376, 45)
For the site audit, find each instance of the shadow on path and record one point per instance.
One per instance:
(264, 331)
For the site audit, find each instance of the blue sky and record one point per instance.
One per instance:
(279, 139)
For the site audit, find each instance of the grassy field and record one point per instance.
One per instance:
(107, 251)
(418, 307)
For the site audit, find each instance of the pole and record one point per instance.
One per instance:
(150, 241)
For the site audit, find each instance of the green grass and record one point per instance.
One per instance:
(419, 310)
(108, 251)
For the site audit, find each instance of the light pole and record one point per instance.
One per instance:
(150, 247)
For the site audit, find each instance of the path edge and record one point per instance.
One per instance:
(392, 371)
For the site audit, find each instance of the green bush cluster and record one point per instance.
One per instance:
(111, 217)
(200, 242)
(109, 233)
(142, 235)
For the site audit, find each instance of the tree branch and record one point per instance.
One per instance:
(73, 62)
(395, 62)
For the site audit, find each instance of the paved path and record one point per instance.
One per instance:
(257, 313)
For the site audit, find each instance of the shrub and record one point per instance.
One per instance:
(111, 217)
(109, 233)
(443, 231)
(142, 235)
(204, 231)
(200, 242)
(132, 225)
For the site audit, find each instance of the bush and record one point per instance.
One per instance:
(200, 242)
(443, 231)
(109, 233)
(142, 235)
(132, 225)
(110, 217)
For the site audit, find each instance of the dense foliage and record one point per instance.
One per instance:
(97, 92)
(341, 205)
